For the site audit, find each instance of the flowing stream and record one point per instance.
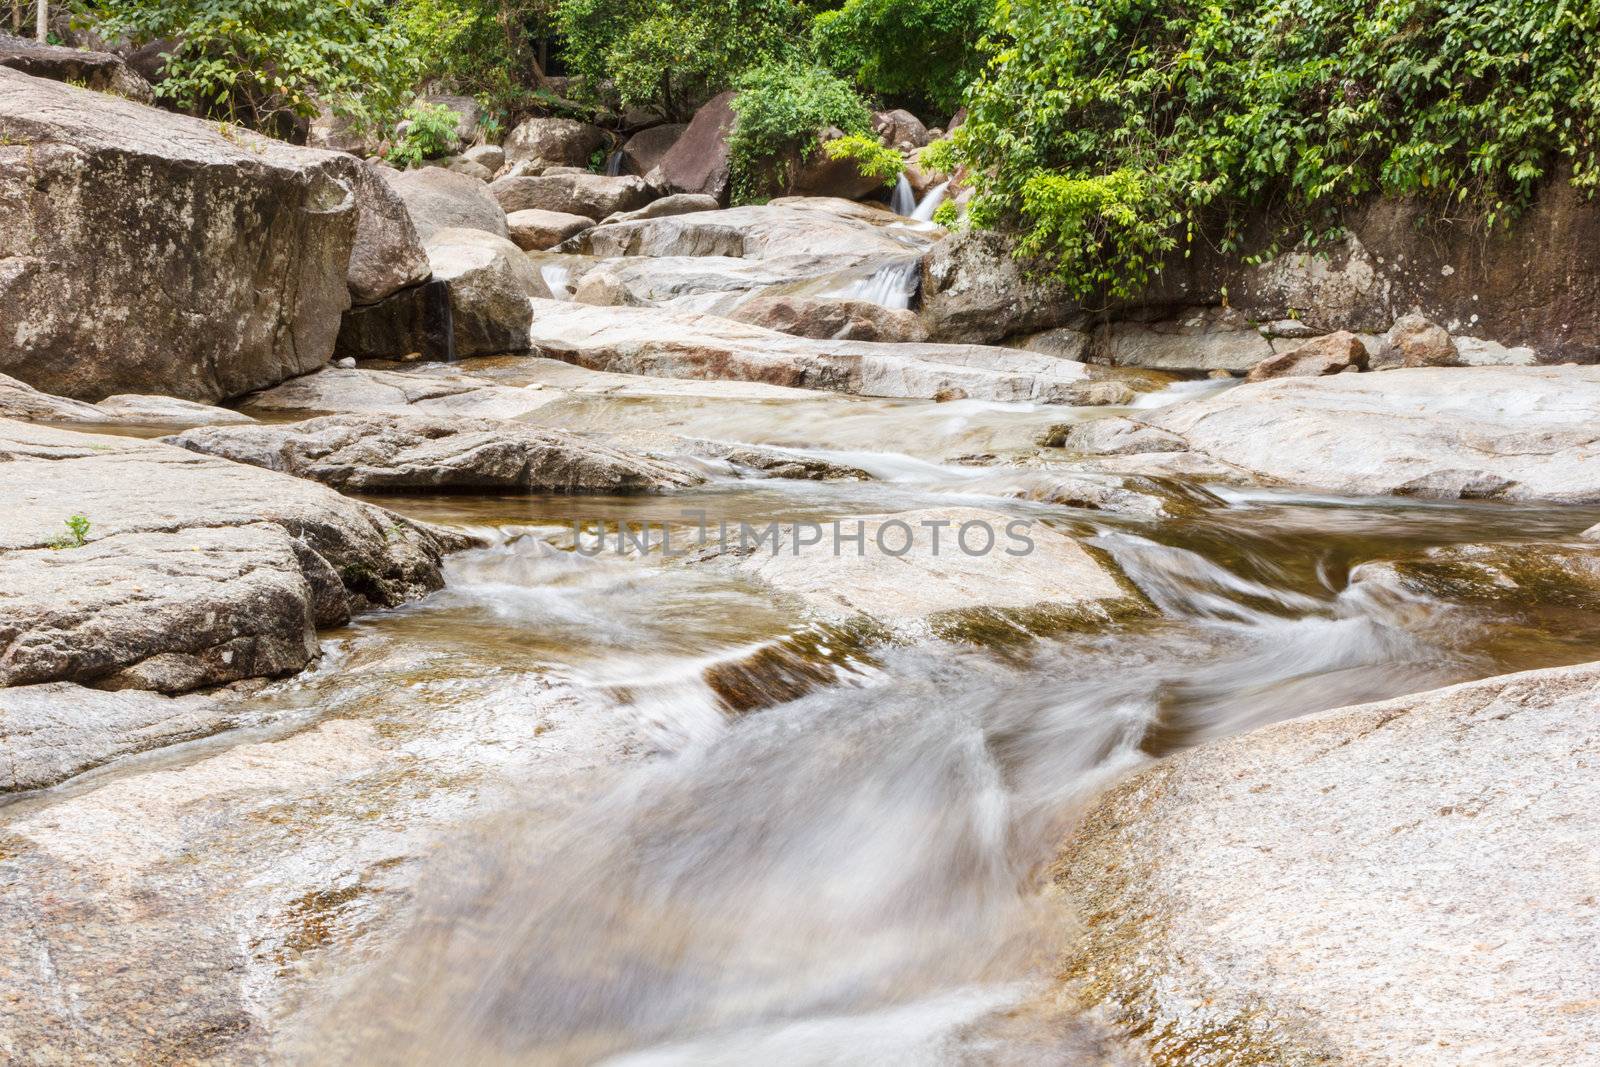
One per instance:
(852, 876)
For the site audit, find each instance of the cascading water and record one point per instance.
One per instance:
(893, 285)
(558, 279)
(904, 200)
(930, 203)
(614, 163)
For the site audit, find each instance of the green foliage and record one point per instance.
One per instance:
(261, 62)
(1117, 132)
(922, 51)
(870, 156)
(77, 534)
(673, 54)
(433, 132)
(779, 112)
(947, 215)
(939, 157)
(481, 48)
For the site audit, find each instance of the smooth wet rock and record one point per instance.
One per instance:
(387, 255)
(902, 580)
(653, 341)
(21, 401)
(103, 72)
(697, 162)
(490, 282)
(1114, 436)
(1333, 354)
(553, 142)
(454, 395)
(975, 291)
(675, 204)
(379, 453)
(1408, 882)
(1519, 575)
(147, 252)
(54, 731)
(796, 226)
(645, 150)
(1414, 341)
(832, 318)
(535, 230)
(193, 571)
(1506, 433)
(438, 199)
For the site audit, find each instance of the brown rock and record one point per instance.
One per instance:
(646, 149)
(100, 71)
(147, 252)
(438, 199)
(698, 161)
(386, 256)
(535, 230)
(551, 142)
(830, 318)
(1326, 355)
(592, 195)
(900, 129)
(1413, 341)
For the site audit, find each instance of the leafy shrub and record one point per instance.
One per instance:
(947, 215)
(433, 132)
(779, 111)
(1117, 133)
(922, 51)
(869, 155)
(262, 62)
(481, 48)
(674, 54)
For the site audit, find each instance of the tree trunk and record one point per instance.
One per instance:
(43, 27)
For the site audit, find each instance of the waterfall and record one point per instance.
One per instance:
(614, 163)
(930, 203)
(904, 200)
(558, 277)
(892, 285)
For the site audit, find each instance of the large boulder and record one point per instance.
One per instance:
(385, 453)
(900, 129)
(100, 71)
(535, 230)
(453, 395)
(653, 341)
(672, 204)
(387, 256)
(550, 142)
(697, 162)
(439, 199)
(1332, 354)
(1408, 882)
(467, 110)
(831, 318)
(645, 150)
(718, 284)
(185, 571)
(818, 174)
(1208, 340)
(974, 290)
(1508, 433)
(147, 252)
(592, 195)
(490, 284)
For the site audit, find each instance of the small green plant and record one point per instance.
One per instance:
(432, 133)
(77, 534)
(947, 215)
(869, 155)
(779, 112)
(597, 161)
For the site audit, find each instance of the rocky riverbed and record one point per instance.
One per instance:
(574, 673)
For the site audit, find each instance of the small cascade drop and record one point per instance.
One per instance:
(558, 278)
(893, 285)
(904, 200)
(930, 203)
(614, 163)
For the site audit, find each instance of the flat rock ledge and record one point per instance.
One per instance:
(1507, 433)
(376, 452)
(191, 572)
(1411, 882)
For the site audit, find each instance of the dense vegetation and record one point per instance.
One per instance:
(1111, 135)
(1116, 133)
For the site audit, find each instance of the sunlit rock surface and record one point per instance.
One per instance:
(1409, 882)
